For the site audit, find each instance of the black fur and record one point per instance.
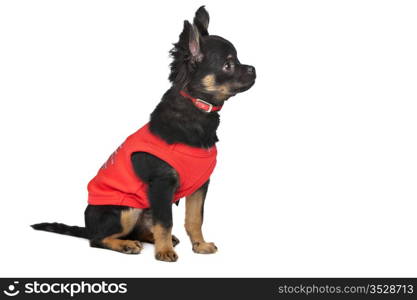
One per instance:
(177, 120)
(102, 220)
(162, 182)
(196, 57)
(62, 229)
(201, 20)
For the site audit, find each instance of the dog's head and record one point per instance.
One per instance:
(207, 65)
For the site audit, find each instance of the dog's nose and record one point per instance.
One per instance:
(251, 70)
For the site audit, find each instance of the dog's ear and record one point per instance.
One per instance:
(194, 44)
(201, 20)
(185, 54)
(190, 39)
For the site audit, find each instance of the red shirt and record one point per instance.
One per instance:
(116, 183)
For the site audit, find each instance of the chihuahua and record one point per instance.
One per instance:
(171, 157)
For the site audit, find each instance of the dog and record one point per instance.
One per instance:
(130, 199)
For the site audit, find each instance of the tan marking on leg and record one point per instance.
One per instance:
(164, 249)
(193, 217)
(124, 246)
(128, 219)
(144, 229)
(194, 222)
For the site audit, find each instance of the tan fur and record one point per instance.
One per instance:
(144, 229)
(194, 222)
(128, 219)
(125, 246)
(193, 217)
(164, 249)
(220, 92)
(209, 81)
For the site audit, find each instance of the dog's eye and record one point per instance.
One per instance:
(228, 66)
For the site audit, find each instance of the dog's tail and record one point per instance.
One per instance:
(62, 229)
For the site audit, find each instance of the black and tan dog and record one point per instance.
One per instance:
(205, 72)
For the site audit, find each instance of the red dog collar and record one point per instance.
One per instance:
(201, 104)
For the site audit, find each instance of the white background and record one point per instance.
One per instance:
(325, 187)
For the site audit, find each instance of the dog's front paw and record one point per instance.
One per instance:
(204, 248)
(167, 255)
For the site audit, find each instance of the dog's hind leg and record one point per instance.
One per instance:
(108, 224)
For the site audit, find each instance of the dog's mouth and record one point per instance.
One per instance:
(243, 88)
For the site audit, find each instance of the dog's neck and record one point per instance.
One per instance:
(178, 120)
(200, 103)
(206, 97)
